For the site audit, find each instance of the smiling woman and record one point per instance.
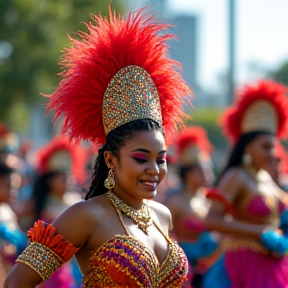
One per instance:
(121, 91)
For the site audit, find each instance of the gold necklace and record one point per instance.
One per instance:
(141, 217)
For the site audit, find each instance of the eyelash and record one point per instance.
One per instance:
(139, 160)
(142, 161)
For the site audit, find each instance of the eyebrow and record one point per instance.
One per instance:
(147, 151)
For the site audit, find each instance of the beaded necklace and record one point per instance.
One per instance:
(141, 217)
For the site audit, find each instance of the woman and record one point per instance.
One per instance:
(12, 240)
(118, 89)
(50, 196)
(189, 207)
(254, 251)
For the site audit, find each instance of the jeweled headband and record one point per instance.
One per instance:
(116, 73)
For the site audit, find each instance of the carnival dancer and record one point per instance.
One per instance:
(50, 195)
(254, 253)
(120, 90)
(12, 240)
(189, 207)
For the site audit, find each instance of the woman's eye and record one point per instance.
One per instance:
(161, 161)
(140, 160)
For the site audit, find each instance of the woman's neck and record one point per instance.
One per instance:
(130, 200)
(251, 170)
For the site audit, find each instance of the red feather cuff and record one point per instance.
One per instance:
(215, 194)
(46, 235)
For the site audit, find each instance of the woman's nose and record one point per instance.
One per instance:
(153, 168)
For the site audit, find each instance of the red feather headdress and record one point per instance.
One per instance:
(57, 145)
(93, 72)
(193, 145)
(260, 107)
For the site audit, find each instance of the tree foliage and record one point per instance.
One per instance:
(281, 74)
(32, 34)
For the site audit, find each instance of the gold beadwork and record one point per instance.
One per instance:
(41, 259)
(260, 115)
(109, 182)
(234, 244)
(130, 95)
(126, 258)
(141, 217)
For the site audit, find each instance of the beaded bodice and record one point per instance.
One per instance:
(124, 261)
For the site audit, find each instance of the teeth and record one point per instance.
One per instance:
(149, 183)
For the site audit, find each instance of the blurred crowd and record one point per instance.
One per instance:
(42, 183)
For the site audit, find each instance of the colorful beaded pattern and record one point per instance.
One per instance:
(41, 259)
(123, 261)
(130, 95)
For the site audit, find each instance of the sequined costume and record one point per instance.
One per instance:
(246, 261)
(122, 261)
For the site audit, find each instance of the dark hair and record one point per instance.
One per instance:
(183, 170)
(41, 191)
(116, 139)
(237, 153)
(5, 170)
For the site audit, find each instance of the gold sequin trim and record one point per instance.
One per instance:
(41, 259)
(242, 244)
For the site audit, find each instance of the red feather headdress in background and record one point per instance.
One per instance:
(49, 158)
(260, 107)
(192, 145)
(133, 49)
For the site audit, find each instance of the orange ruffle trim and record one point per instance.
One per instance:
(46, 235)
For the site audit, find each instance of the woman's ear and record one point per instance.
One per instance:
(109, 159)
(247, 149)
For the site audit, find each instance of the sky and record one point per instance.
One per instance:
(261, 36)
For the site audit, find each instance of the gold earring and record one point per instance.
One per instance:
(109, 182)
(247, 159)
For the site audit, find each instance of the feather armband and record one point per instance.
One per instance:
(47, 250)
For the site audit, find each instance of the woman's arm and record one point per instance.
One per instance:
(75, 227)
(231, 186)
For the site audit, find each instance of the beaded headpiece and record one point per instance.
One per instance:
(260, 107)
(61, 155)
(117, 73)
(193, 146)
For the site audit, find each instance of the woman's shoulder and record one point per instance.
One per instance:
(234, 174)
(80, 220)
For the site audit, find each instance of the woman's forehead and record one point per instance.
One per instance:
(149, 140)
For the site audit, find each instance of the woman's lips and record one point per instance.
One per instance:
(150, 184)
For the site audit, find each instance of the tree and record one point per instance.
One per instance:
(32, 34)
(281, 74)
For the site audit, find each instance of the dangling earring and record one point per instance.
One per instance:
(109, 182)
(247, 159)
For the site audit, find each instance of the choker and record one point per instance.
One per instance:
(142, 217)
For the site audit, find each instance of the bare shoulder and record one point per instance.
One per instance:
(232, 182)
(235, 175)
(77, 223)
(163, 214)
